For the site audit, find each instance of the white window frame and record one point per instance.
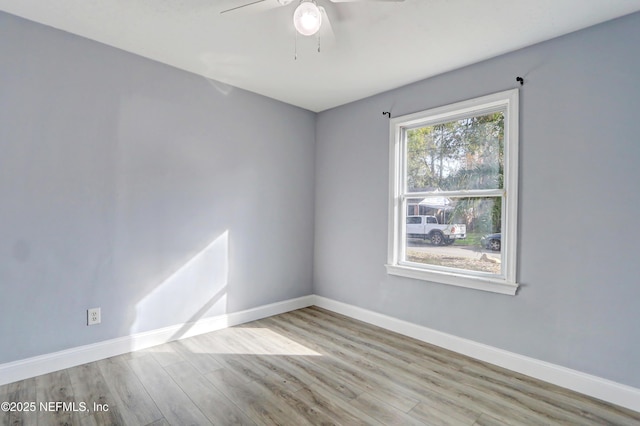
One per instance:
(505, 282)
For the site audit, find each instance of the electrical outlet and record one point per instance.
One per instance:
(93, 316)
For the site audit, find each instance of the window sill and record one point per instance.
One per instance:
(494, 285)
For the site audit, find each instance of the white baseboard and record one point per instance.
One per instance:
(43, 364)
(606, 390)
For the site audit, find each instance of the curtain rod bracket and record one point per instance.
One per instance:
(520, 80)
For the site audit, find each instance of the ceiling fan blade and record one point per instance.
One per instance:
(255, 6)
(364, 1)
(326, 30)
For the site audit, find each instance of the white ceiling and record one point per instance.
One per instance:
(376, 46)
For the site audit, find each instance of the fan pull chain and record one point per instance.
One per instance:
(295, 46)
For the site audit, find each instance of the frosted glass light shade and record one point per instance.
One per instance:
(307, 18)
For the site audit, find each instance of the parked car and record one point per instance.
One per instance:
(492, 241)
(428, 228)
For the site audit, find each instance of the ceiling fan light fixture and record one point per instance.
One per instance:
(307, 18)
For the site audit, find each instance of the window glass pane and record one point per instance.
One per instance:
(466, 236)
(460, 154)
(452, 167)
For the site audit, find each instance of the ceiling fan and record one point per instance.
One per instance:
(308, 17)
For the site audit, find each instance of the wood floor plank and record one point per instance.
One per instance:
(339, 411)
(132, 400)
(194, 351)
(242, 366)
(383, 412)
(166, 354)
(161, 422)
(103, 418)
(172, 402)
(403, 362)
(305, 408)
(269, 349)
(390, 375)
(269, 342)
(411, 351)
(308, 371)
(54, 389)
(372, 341)
(439, 415)
(262, 407)
(278, 372)
(22, 391)
(231, 353)
(487, 420)
(342, 366)
(90, 387)
(397, 341)
(219, 409)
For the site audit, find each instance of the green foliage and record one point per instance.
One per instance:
(463, 154)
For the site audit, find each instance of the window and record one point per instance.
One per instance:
(453, 194)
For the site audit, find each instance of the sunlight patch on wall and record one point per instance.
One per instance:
(198, 288)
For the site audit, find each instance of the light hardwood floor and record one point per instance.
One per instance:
(309, 366)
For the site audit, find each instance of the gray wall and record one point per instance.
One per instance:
(155, 194)
(164, 197)
(578, 209)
